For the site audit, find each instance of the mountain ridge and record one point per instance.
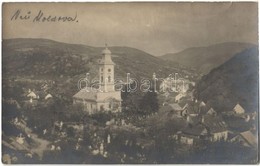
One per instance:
(206, 58)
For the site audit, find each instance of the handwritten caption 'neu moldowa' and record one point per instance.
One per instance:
(41, 17)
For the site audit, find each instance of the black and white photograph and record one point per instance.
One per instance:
(130, 83)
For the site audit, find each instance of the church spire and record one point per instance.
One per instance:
(106, 71)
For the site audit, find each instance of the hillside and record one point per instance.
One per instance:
(31, 61)
(206, 58)
(234, 81)
(42, 57)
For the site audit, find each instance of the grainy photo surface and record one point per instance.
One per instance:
(130, 83)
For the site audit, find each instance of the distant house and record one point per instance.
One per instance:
(216, 127)
(211, 111)
(176, 108)
(48, 96)
(193, 135)
(208, 128)
(145, 143)
(192, 110)
(246, 138)
(178, 97)
(193, 120)
(202, 104)
(32, 95)
(238, 109)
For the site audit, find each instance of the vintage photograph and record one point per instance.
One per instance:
(130, 83)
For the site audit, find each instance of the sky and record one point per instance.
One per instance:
(157, 28)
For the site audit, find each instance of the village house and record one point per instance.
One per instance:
(105, 97)
(205, 128)
(238, 109)
(193, 135)
(48, 96)
(211, 111)
(179, 97)
(175, 108)
(246, 138)
(191, 109)
(216, 127)
(32, 95)
(202, 104)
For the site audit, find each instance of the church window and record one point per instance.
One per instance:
(109, 70)
(101, 78)
(109, 78)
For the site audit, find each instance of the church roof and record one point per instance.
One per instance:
(106, 58)
(87, 94)
(106, 51)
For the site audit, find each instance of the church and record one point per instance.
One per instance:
(104, 98)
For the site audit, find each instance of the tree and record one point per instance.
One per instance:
(149, 102)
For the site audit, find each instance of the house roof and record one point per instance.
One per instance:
(211, 110)
(196, 130)
(183, 105)
(87, 94)
(193, 109)
(238, 108)
(31, 94)
(214, 123)
(179, 96)
(250, 138)
(175, 107)
(188, 135)
(48, 96)
(194, 120)
(202, 104)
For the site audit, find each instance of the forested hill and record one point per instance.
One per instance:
(235, 81)
(48, 58)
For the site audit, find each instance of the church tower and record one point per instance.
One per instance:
(105, 98)
(106, 72)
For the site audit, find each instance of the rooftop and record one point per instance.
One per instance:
(214, 123)
(87, 94)
(249, 137)
(106, 51)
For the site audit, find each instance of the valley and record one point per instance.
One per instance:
(196, 114)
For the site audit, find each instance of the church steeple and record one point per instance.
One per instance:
(106, 71)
